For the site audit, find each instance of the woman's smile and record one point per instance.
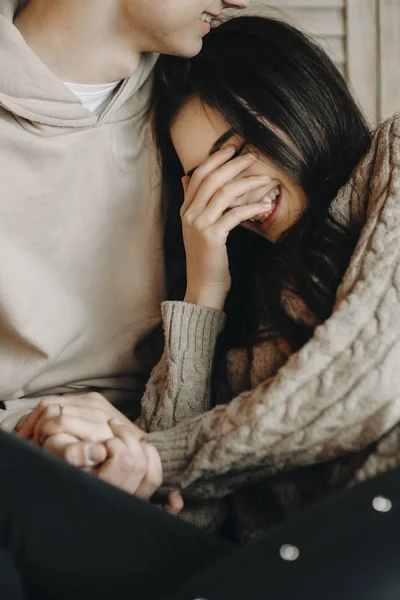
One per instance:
(270, 200)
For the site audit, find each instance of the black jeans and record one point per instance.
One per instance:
(10, 582)
(65, 534)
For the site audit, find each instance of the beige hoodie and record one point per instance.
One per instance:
(81, 275)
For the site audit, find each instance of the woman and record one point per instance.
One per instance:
(264, 133)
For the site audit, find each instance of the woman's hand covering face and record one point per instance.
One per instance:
(199, 130)
(212, 207)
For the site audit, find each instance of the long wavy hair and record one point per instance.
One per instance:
(267, 78)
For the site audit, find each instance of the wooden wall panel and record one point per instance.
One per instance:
(389, 58)
(362, 53)
(361, 36)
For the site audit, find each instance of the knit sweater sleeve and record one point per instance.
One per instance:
(339, 393)
(179, 386)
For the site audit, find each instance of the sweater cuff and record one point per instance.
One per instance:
(175, 450)
(190, 326)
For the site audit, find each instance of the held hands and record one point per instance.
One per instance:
(83, 416)
(211, 209)
(88, 432)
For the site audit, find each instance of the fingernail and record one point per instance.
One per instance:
(264, 178)
(115, 422)
(229, 149)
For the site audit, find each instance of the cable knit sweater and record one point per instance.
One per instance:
(324, 418)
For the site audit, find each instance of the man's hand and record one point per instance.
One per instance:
(84, 416)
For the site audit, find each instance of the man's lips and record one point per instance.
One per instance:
(205, 26)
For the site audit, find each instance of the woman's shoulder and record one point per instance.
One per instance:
(392, 122)
(369, 186)
(385, 146)
(385, 139)
(383, 167)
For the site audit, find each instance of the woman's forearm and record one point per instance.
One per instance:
(179, 387)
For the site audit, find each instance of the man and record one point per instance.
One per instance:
(81, 276)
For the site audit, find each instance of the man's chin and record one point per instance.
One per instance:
(188, 50)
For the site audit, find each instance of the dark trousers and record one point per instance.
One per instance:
(11, 587)
(64, 534)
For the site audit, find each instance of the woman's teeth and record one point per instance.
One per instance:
(271, 196)
(270, 201)
(206, 17)
(264, 216)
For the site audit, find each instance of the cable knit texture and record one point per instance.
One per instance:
(326, 417)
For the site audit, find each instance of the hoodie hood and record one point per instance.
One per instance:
(9, 8)
(30, 90)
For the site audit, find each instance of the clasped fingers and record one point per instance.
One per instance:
(206, 181)
(123, 460)
(92, 407)
(92, 427)
(126, 468)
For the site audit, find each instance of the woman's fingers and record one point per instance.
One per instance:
(129, 434)
(154, 474)
(213, 181)
(123, 468)
(153, 477)
(185, 183)
(174, 504)
(209, 166)
(236, 216)
(226, 196)
(129, 465)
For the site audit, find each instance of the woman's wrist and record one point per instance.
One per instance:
(210, 298)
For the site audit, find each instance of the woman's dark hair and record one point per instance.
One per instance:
(267, 78)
